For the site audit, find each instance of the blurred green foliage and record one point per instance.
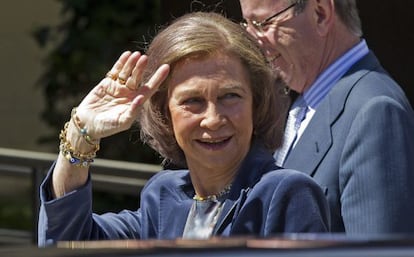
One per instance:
(84, 46)
(16, 212)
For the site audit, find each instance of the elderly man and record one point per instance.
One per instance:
(352, 126)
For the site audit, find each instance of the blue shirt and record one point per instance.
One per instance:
(326, 81)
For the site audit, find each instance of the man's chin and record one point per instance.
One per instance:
(286, 77)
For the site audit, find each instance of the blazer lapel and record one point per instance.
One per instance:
(230, 209)
(317, 137)
(315, 142)
(173, 205)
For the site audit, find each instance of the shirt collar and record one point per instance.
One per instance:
(328, 78)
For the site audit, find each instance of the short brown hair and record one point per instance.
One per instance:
(203, 34)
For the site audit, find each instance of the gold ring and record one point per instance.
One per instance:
(133, 89)
(122, 81)
(111, 75)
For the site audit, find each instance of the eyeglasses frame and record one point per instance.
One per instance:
(259, 25)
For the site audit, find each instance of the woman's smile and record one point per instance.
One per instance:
(210, 102)
(214, 144)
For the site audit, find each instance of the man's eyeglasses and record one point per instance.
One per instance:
(260, 26)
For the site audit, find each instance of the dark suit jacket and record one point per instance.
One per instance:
(359, 147)
(263, 200)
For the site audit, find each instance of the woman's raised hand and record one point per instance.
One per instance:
(112, 106)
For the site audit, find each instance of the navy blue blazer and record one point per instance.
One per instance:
(264, 200)
(359, 147)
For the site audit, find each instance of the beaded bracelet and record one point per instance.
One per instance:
(82, 130)
(75, 158)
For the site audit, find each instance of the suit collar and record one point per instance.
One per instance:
(258, 162)
(317, 137)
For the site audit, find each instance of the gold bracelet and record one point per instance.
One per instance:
(82, 130)
(75, 158)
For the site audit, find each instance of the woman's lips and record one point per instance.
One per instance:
(214, 144)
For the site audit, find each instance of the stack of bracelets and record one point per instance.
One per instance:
(76, 158)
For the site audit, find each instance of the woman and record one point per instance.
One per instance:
(205, 100)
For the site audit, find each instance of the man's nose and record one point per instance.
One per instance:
(259, 36)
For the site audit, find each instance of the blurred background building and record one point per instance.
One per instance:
(21, 63)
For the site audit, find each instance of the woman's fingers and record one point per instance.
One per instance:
(159, 76)
(136, 75)
(125, 74)
(127, 71)
(146, 90)
(119, 64)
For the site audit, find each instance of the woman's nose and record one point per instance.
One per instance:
(213, 118)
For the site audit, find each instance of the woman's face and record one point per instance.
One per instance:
(210, 102)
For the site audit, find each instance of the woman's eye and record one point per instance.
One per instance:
(230, 96)
(192, 100)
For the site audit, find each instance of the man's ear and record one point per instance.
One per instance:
(324, 15)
